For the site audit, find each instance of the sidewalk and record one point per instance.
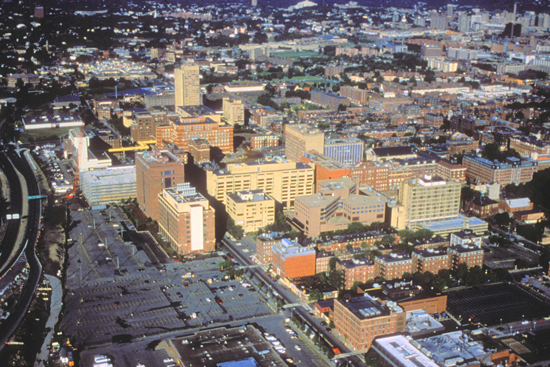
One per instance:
(55, 309)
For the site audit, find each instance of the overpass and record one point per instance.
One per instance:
(141, 145)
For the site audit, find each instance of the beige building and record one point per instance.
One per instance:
(187, 85)
(302, 138)
(233, 111)
(251, 209)
(283, 181)
(429, 199)
(335, 207)
(186, 220)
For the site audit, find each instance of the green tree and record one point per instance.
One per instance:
(336, 279)
(502, 219)
(462, 271)
(315, 295)
(332, 263)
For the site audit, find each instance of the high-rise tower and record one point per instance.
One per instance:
(187, 85)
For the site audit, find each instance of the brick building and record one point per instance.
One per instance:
(325, 168)
(512, 171)
(186, 220)
(356, 270)
(155, 171)
(260, 141)
(373, 174)
(393, 266)
(434, 242)
(361, 319)
(447, 170)
(264, 244)
(482, 206)
(432, 260)
(199, 150)
(470, 255)
(291, 260)
(181, 131)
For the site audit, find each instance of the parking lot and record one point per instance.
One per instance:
(60, 172)
(114, 289)
(497, 303)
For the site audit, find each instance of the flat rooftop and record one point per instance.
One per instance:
(365, 307)
(184, 193)
(449, 224)
(249, 196)
(227, 347)
(399, 348)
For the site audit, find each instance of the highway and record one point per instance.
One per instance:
(7, 246)
(318, 328)
(31, 237)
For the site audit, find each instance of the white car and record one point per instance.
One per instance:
(208, 300)
(297, 347)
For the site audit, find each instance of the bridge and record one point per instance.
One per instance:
(141, 145)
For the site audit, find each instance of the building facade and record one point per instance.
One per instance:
(180, 131)
(283, 181)
(108, 185)
(251, 209)
(335, 207)
(156, 171)
(471, 255)
(233, 111)
(300, 139)
(356, 270)
(187, 85)
(347, 152)
(512, 171)
(186, 220)
(290, 260)
(430, 199)
(431, 260)
(393, 265)
(361, 319)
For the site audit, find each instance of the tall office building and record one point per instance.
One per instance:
(187, 84)
(345, 151)
(302, 138)
(186, 220)
(429, 199)
(450, 10)
(438, 21)
(156, 171)
(254, 2)
(233, 111)
(283, 181)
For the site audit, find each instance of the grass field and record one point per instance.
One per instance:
(296, 54)
(44, 135)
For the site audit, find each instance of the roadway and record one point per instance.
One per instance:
(319, 329)
(8, 253)
(529, 244)
(30, 239)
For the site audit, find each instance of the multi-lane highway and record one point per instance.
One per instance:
(8, 253)
(31, 236)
